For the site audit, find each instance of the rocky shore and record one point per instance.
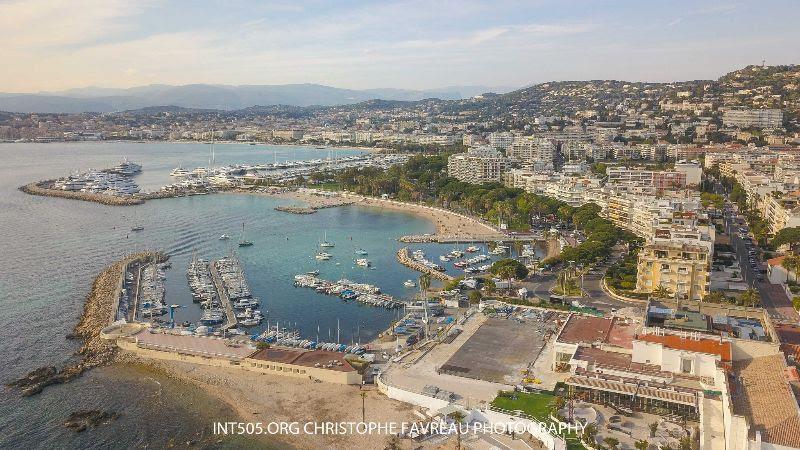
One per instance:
(97, 314)
(42, 188)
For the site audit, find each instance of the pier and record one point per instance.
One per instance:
(445, 239)
(231, 321)
(348, 290)
(404, 259)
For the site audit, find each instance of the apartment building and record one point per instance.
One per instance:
(288, 135)
(692, 169)
(759, 118)
(501, 140)
(478, 165)
(680, 266)
(532, 151)
(640, 177)
(781, 211)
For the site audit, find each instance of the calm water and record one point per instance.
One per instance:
(53, 249)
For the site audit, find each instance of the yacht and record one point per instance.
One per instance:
(323, 256)
(325, 243)
(242, 241)
(179, 172)
(137, 228)
(361, 252)
(224, 237)
(444, 258)
(363, 262)
(126, 168)
(409, 284)
(472, 249)
(313, 273)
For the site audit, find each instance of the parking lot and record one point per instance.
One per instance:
(498, 351)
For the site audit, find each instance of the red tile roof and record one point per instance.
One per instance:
(701, 345)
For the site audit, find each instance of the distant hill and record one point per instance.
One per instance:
(221, 97)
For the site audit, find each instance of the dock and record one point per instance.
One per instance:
(231, 321)
(445, 239)
(404, 259)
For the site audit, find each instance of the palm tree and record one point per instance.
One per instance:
(508, 273)
(424, 283)
(791, 263)
(363, 409)
(590, 434)
(750, 297)
(457, 417)
(661, 292)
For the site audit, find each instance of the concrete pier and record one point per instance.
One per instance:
(223, 297)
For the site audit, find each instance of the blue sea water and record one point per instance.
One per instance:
(53, 248)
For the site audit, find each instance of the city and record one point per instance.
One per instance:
(598, 264)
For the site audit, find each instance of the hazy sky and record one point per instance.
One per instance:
(53, 44)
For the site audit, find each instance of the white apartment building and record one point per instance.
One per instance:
(759, 118)
(531, 150)
(477, 166)
(693, 171)
(501, 140)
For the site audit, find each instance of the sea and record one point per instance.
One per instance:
(53, 248)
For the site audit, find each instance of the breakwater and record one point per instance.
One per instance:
(43, 188)
(404, 259)
(98, 312)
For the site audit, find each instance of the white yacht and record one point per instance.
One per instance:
(409, 284)
(323, 256)
(179, 172)
(363, 262)
(224, 237)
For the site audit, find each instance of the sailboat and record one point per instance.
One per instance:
(242, 241)
(325, 242)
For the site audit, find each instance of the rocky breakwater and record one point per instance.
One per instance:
(97, 314)
(44, 188)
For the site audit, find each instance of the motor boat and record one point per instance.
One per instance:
(363, 262)
(224, 237)
(409, 284)
(323, 256)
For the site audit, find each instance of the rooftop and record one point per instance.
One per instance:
(304, 358)
(697, 345)
(762, 394)
(193, 345)
(587, 329)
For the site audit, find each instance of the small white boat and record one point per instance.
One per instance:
(409, 284)
(363, 262)
(323, 256)
(472, 249)
(224, 237)
(444, 258)
(361, 252)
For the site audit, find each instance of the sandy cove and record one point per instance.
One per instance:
(449, 224)
(268, 398)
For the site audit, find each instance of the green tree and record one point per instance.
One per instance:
(457, 417)
(641, 444)
(590, 434)
(661, 292)
(424, 284)
(611, 442)
(653, 429)
(791, 263)
(790, 236)
(714, 297)
(517, 269)
(475, 297)
(750, 297)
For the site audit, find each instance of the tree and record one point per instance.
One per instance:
(489, 287)
(475, 297)
(641, 444)
(611, 442)
(518, 270)
(363, 406)
(685, 443)
(653, 429)
(661, 292)
(425, 283)
(557, 404)
(790, 236)
(750, 297)
(590, 434)
(714, 297)
(457, 417)
(791, 263)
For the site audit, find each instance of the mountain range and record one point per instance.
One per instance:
(220, 97)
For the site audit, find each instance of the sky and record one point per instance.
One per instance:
(52, 45)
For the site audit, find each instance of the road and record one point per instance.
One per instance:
(773, 298)
(593, 297)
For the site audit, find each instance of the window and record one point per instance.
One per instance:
(686, 365)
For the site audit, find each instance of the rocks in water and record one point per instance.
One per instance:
(35, 381)
(81, 420)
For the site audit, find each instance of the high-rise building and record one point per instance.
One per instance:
(477, 166)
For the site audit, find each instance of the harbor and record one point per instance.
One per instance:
(348, 290)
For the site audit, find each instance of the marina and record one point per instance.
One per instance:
(348, 290)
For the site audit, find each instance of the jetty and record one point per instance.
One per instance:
(406, 260)
(230, 316)
(447, 239)
(345, 289)
(45, 189)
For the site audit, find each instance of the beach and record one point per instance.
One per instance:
(265, 398)
(449, 224)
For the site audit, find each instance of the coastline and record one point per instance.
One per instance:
(262, 398)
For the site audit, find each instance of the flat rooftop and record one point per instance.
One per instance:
(697, 345)
(761, 393)
(788, 333)
(614, 360)
(588, 329)
(307, 358)
(193, 345)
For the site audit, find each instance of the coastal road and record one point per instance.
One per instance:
(594, 295)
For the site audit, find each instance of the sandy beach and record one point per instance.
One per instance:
(269, 398)
(448, 223)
